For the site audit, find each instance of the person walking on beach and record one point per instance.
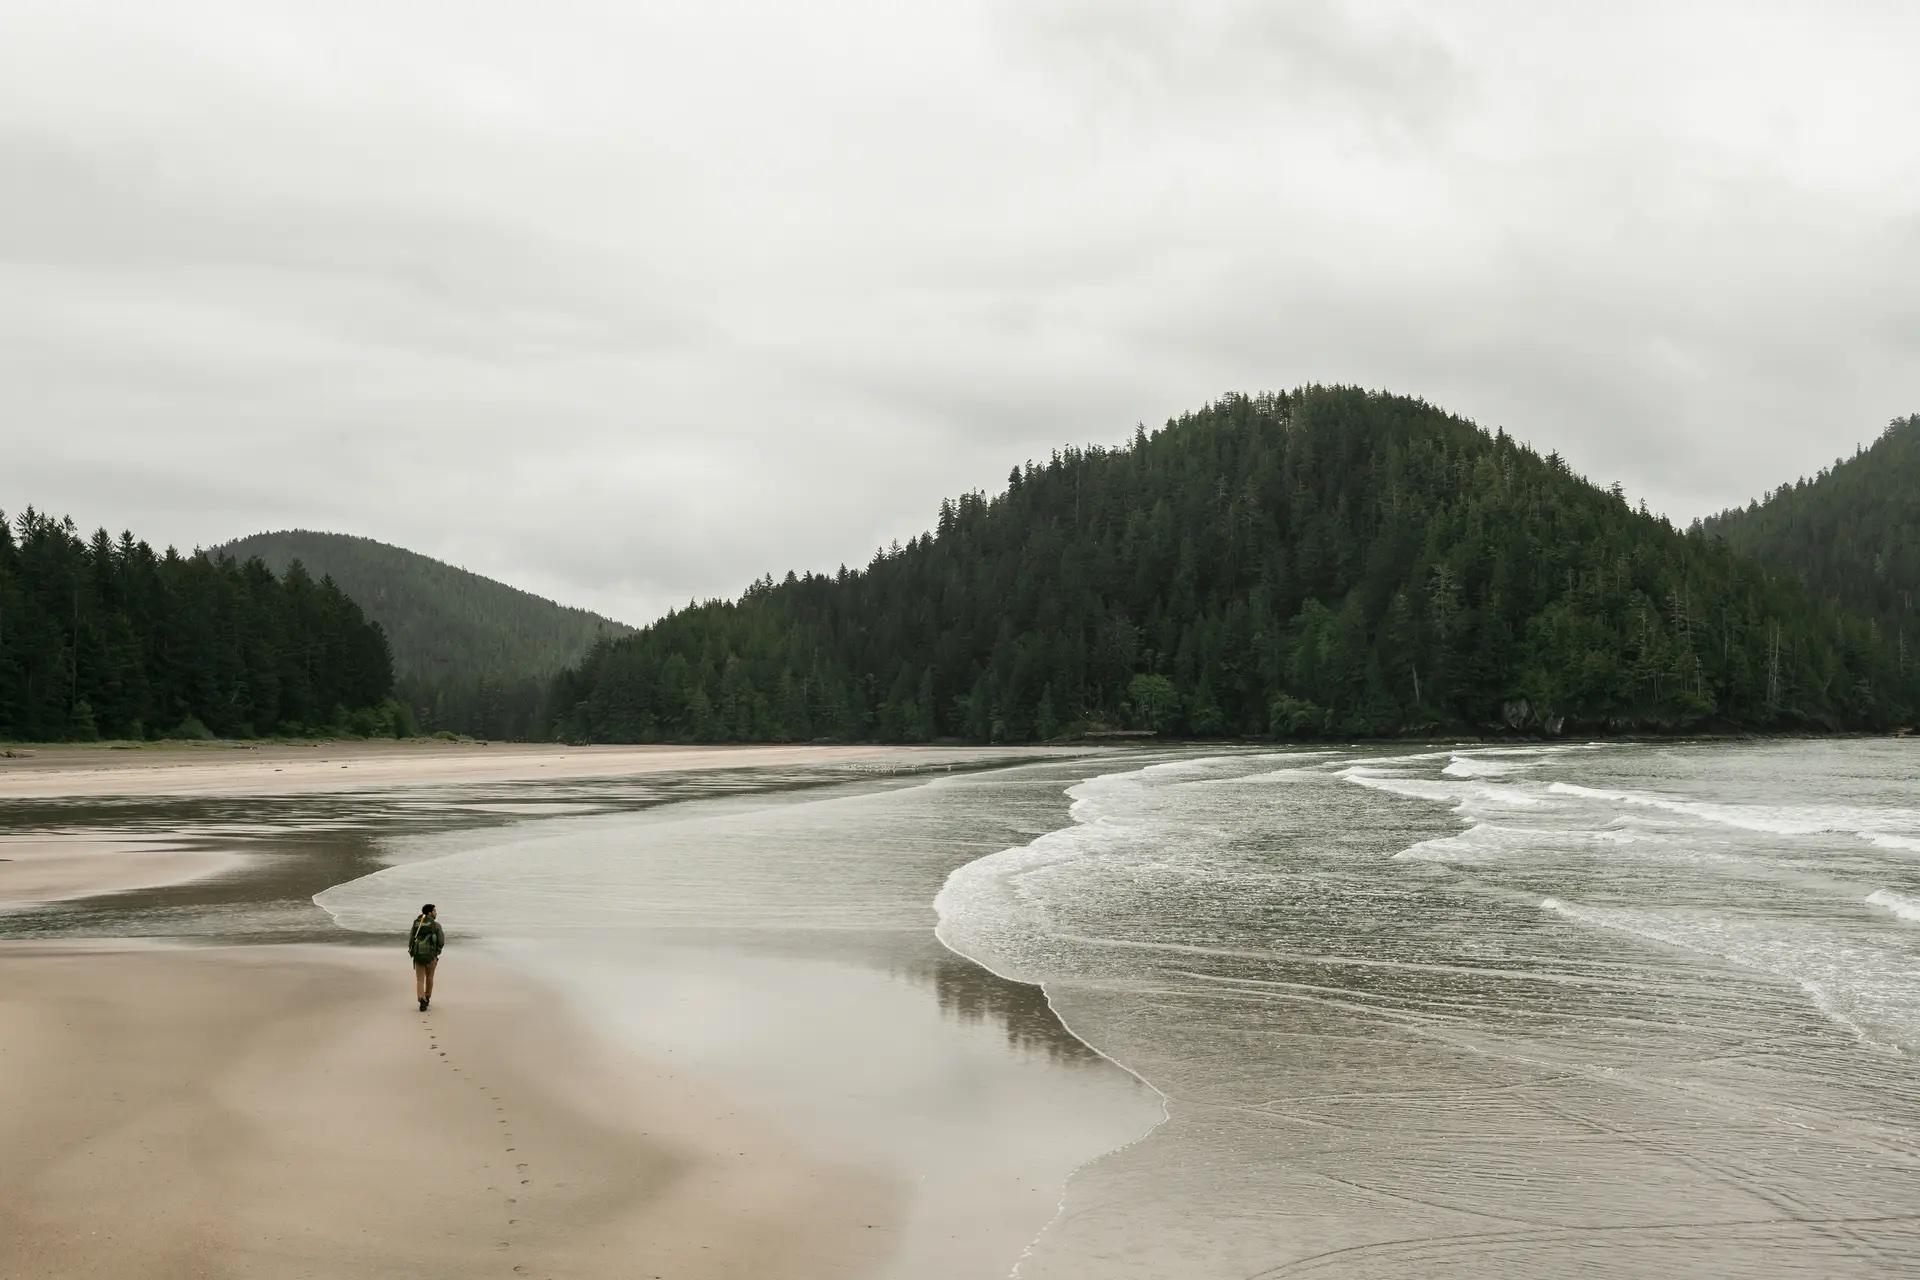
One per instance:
(425, 941)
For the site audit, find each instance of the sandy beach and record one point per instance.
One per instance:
(251, 1110)
(240, 769)
(248, 1111)
(61, 865)
(60, 868)
(283, 1111)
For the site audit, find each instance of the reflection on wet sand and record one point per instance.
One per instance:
(964, 993)
(970, 994)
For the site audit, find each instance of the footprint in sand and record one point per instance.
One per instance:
(433, 1046)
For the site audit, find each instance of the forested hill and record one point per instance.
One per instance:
(103, 637)
(470, 654)
(1329, 561)
(1852, 532)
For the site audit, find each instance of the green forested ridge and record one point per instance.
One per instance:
(1328, 561)
(106, 638)
(470, 655)
(1852, 533)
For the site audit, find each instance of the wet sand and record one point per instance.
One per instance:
(60, 868)
(241, 769)
(269, 1111)
(242, 1110)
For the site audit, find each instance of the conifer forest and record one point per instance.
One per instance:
(102, 637)
(1325, 562)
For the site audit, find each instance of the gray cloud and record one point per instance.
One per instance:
(1321, 62)
(629, 304)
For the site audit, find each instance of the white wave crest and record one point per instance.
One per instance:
(1463, 766)
(1897, 903)
(1461, 795)
(1809, 820)
(1864, 989)
(995, 910)
(1487, 842)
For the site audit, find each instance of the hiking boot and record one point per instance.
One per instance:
(423, 1006)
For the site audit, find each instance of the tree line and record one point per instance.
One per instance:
(102, 637)
(1852, 532)
(1327, 561)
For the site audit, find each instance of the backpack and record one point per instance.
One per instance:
(420, 942)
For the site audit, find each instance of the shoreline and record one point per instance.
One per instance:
(240, 769)
(55, 770)
(244, 1096)
(278, 1109)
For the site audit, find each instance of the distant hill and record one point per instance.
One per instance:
(471, 654)
(1851, 533)
(1328, 561)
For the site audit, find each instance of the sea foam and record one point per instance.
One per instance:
(1805, 820)
(1898, 903)
(1860, 987)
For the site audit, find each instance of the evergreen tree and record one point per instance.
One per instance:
(1325, 561)
(1852, 533)
(99, 637)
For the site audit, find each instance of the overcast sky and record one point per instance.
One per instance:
(627, 303)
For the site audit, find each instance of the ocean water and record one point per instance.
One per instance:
(1610, 1010)
(1548, 1011)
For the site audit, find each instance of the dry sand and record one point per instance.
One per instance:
(284, 1111)
(245, 769)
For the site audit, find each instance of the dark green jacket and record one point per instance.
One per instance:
(426, 940)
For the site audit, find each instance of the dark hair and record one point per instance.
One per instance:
(426, 909)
